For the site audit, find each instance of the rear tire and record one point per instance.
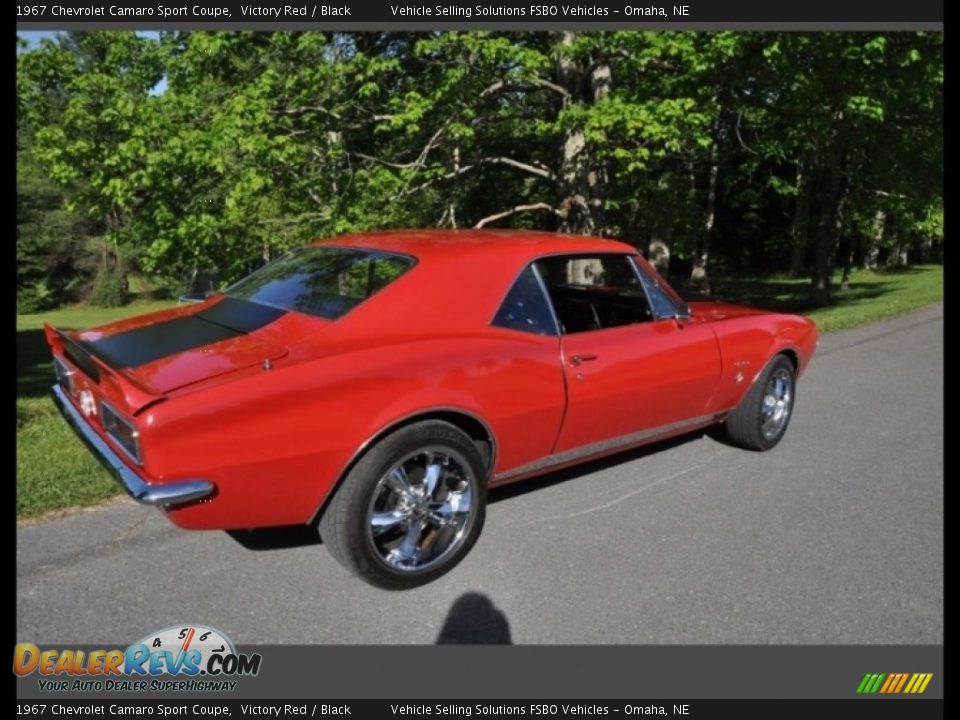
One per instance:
(761, 419)
(410, 509)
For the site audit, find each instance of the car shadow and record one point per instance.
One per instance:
(473, 619)
(506, 492)
(294, 536)
(277, 538)
(34, 364)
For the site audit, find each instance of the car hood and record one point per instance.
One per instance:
(162, 354)
(719, 310)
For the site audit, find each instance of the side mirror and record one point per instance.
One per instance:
(683, 312)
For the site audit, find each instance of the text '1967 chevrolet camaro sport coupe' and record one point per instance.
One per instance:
(376, 385)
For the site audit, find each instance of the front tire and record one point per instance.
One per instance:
(410, 509)
(760, 420)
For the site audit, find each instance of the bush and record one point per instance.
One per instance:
(35, 298)
(110, 290)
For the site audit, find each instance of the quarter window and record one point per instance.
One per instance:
(594, 292)
(525, 307)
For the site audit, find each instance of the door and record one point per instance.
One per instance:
(629, 370)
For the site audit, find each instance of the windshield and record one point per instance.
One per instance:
(322, 281)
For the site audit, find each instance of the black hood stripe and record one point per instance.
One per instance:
(227, 319)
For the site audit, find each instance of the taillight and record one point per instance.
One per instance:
(121, 431)
(64, 375)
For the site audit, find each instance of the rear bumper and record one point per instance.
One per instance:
(147, 493)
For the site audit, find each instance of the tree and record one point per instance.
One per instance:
(739, 150)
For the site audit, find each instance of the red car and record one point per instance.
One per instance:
(378, 384)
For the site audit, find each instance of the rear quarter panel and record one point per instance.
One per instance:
(275, 442)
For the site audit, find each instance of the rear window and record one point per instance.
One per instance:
(322, 281)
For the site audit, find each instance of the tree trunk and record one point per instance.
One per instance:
(828, 238)
(584, 181)
(658, 249)
(658, 255)
(801, 217)
(450, 215)
(872, 257)
(898, 255)
(699, 282)
(848, 255)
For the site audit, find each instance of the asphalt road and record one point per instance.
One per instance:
(836, 536)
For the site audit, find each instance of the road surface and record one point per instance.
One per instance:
(836, 536)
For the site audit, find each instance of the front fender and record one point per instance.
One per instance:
(747, 344)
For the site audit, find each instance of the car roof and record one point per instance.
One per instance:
(460, 277)
(426, 245)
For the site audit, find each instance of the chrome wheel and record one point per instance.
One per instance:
(777, 403)
(421, 509)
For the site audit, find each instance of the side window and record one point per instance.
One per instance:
(663, 305)
(525, 307)
(594, 292)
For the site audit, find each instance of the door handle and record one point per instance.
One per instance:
(578, 360)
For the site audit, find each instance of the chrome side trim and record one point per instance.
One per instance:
(604, 447)
(140, 490)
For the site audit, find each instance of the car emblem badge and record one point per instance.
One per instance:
(88, 406)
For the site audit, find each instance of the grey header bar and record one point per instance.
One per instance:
(563, 672)
(859, 26)
(414, 14)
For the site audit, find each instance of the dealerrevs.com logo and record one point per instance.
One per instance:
(202, 658)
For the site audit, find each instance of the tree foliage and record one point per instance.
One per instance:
(196, 150)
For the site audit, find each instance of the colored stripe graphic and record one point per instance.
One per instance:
(918, 683)
(227, 319)
(891, 680)
(903, 680)
(870, 683)
(894, 683)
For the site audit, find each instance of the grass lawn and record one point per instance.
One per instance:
(870, 296)
(55, 471)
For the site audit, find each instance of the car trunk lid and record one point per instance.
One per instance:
(185, 368)
(156, 358)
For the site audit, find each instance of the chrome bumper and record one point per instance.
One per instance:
(141, 491)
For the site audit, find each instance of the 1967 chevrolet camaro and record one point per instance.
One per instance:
(378, 384)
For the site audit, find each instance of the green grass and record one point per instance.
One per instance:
(870, 296)
(55, 471)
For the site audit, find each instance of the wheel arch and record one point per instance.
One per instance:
(792, 355)
(470, 423)
(787, 351)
